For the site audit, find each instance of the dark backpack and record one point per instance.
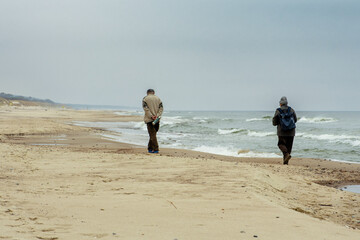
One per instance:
(287, 121)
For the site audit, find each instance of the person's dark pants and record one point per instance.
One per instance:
(153, 129)
(285, 144)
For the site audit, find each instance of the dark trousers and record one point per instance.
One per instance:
(285, 144)
(152, 130)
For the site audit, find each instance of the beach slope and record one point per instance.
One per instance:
(60, 181)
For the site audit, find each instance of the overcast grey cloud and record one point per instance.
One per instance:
(198, 54)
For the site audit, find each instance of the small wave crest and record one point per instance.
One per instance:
(230, 131)
(171, 121)
(347, 139)
(317, 120)
(234, 153)
(254, 119)
(246, 131)
(201, 119)
(264, 118)
(260, 134)
(217, 150)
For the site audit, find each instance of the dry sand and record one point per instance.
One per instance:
(86, 187)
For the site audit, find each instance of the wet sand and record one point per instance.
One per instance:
(60, 181)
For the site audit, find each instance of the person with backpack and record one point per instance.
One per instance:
(285, 119)
(153, 109)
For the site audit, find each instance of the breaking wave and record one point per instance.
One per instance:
(260, 134)
(248, 132)
(317, 120)
(230, 131)
(232, 152)
(172, 120)
(265, 118)
(347, 139)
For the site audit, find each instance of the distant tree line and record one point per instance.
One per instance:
(22, 98)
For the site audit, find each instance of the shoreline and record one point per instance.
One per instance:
(242, 138)
(88, 173)
(93, 136)
(112, 135)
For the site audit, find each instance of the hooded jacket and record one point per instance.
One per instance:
(276, 122)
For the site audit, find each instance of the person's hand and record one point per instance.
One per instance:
(154, 117)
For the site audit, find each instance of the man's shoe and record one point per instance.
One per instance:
(287, 157)
(155, 152)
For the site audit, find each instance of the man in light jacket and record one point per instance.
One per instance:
(285, 132)
(153, 109)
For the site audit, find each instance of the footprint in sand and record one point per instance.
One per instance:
(47, 238)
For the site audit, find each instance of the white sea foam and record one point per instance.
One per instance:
(230, 131)
(354, 143)
(347, 139)
(317, 120)
(249, 132)
(255, 119)
(252, 154)
(217, 150)
(260, 134)
(266, 118)
(234, 153)
(200, 119)
(172, 120)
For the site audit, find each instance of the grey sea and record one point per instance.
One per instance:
(324, 135)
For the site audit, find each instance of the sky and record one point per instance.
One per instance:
(196, 54)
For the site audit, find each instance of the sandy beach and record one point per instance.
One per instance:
(61, 181)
